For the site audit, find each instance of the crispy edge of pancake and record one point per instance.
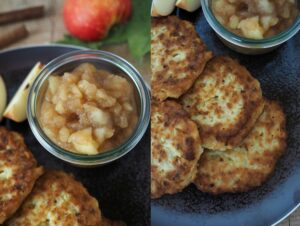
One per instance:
(90, 213)
(14, 151)
(191, 43)
(248, 178)
(214, 137)
(171, 116)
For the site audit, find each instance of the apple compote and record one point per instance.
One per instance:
(88, 111)
(255, 19)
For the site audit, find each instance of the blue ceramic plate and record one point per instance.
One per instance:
(120, 187)
(279, 75)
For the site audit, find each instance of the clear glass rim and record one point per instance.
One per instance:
(101, 158)
(246, 42)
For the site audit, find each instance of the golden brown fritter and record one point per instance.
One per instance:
(18, 172)
(225, 102)
(248, 165)
(178, 57)
(58, 199)
(175, 149)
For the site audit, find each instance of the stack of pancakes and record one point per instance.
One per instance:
(30, 195)
(210, 124)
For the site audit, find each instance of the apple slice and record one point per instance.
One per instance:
(188, 5)
(16, 109)
(162, 7)
(3, 97)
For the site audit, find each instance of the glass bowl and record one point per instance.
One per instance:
(246, 45)
(102, 60)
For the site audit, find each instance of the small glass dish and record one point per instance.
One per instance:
(102, 60)
(246, 45)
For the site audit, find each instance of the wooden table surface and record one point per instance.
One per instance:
(50, 29)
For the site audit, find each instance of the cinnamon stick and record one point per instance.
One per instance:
(13, 35)
(21, 14)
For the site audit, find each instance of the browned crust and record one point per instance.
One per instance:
(217, 136)
(179, 36)
(88, 214)
(226, 172)
(171, 124)
(15, 155)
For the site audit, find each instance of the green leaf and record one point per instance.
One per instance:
(116, 35)
(68, 39)
(138, 31)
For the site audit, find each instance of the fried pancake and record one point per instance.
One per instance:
(225, 102)
(18, 172)
(175, 149)
(58, 199)
(248, 165)
(178, 57)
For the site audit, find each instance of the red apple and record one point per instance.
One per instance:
(90, 20)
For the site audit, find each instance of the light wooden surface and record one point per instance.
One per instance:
(50, 29)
